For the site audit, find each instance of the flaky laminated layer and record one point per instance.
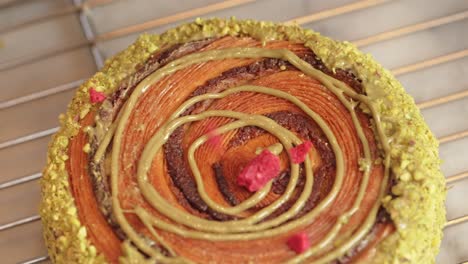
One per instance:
(417, 204)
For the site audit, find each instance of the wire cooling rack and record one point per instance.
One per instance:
(49, 47)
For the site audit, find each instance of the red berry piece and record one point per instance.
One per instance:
(95, 96)
(298, 153)
(299, 242)
(259, 171)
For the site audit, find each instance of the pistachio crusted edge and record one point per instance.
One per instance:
(416, 206)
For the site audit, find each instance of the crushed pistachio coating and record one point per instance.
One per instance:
(417, 204)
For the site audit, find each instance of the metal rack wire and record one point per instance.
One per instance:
(82, 8)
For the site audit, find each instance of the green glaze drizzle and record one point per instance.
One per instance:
(250, 227)
(276, 149)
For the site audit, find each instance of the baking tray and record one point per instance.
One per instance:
(49, 47)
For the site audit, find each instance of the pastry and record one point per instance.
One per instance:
(225, 141)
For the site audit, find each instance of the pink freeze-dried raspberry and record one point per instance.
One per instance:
(298, 153)
(95, 96)
(214, 138)
(259, 171)
(299, 242)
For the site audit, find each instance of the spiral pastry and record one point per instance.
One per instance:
(242, 142)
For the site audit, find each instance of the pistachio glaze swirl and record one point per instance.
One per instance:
(239, 224)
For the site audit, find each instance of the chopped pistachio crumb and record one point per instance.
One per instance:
(87, 148)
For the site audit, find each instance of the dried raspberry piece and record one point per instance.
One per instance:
(95, 96)
(298, 153)
(214, 138)
(259, 171)
(299, 242)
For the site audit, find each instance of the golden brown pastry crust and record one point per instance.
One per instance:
(417, 208)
